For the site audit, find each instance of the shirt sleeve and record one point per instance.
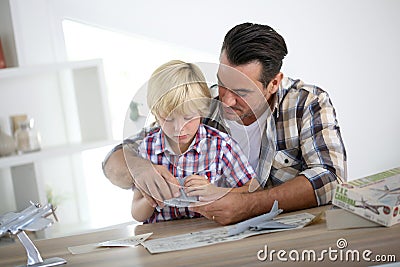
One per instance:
(322, 148)
(236, 168)
(129, 145)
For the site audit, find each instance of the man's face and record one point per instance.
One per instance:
(243, 96)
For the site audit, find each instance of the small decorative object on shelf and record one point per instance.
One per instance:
(15, 121)
(7, 146)
(134, 115)
(27, 138)
(2, 58)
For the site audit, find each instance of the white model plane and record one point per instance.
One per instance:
(264, 221)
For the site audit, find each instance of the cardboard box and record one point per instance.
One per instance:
(375, 197)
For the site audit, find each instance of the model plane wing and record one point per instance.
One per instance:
(271, 225)
(37, 225)
(9, 216)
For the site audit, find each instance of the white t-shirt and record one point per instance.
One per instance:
(249, 137)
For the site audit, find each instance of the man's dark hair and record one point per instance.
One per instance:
(250, 42)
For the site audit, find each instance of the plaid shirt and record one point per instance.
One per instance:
(212, 154)
(302, 137)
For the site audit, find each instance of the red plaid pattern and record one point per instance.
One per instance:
(212, 153)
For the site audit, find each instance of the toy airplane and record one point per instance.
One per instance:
(365, 205)
(260, 222)
(32, 218)
(387, 191)
(182, 201)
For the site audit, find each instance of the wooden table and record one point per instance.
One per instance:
(379, 240)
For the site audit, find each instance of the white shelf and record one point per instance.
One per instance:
(68, 102)
(17, 72)
(45, 153)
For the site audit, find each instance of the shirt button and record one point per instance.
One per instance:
(286, 161)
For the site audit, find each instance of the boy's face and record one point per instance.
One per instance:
(180, 129)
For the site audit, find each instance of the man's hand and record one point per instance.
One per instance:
(231, 208)
(295, 194)
(155, 182)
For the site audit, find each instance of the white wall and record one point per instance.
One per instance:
(349, 48)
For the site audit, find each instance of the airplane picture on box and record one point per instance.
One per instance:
(387, 191)
(374, 208)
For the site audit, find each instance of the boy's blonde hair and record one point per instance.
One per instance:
(178, 87)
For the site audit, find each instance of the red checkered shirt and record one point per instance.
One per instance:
(212, 153)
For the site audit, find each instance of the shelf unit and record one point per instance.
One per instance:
(46, 153)
(68, 102)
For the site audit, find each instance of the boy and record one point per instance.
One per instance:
(204, 160)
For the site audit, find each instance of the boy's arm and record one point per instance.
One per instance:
(246, 187)
(199, 186)
(141, 210)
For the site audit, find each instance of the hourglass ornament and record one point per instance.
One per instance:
(27, 138)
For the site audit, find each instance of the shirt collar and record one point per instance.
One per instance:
(286, 84)
(162, 144)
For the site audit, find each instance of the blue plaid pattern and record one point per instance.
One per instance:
(302, 137)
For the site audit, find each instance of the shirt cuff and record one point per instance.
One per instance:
(324, 183)
(114, 149)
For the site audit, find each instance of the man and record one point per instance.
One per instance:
(299, 155)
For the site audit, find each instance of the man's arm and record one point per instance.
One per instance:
(322, 147)
(295, 194)
(116, 170)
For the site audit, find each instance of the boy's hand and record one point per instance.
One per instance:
(196, 185)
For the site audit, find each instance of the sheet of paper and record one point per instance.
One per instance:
(86, 248)
(219, 235)
(123, 242)
(132, 241)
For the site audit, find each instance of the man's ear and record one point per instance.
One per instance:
(275, 82)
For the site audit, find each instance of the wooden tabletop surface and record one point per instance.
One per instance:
(381, 241)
